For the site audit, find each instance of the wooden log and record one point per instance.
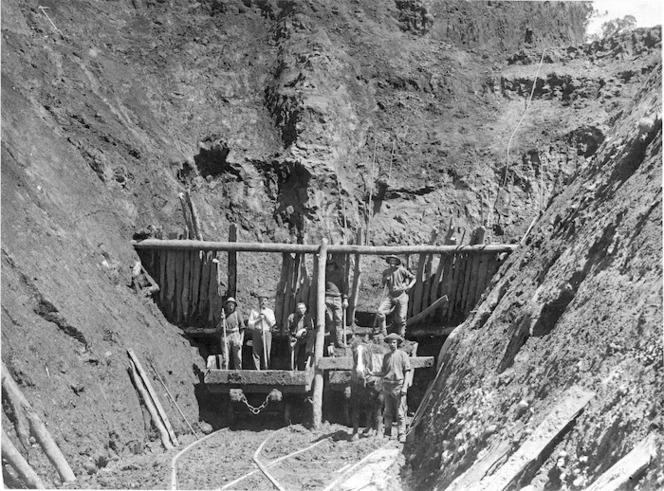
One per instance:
(156, 420)
(312, 248)
(213, 289)
(186, 285)
(196, 223)
(446, 283)
(416, 300)
(435, 281)
(195, 267)
(179, 273)
(468, 281)
(426, 282)
(152, 395)
(281, 288)
(457, 268)
(408, 378)
(433, 332)
(482, 277)
(426, 312)
(471, 285)
(204, 294)
(19, 464)
(524, 463)
(37, 428)
(627, 469)
(346, 362)
(187, 217)
(320, 335)
(357, 281)
(163, 254)
(232, 262)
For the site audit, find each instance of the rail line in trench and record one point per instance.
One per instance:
(323, 464)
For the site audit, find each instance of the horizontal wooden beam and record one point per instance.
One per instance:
(267, 378)
(201, 245)
(346, 362)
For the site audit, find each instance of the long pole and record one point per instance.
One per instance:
(320, 335)
(313, 249)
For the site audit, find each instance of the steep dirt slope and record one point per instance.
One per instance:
(579, 304)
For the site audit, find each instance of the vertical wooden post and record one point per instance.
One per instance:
(232, 262)
(320, 335)
(357, 278)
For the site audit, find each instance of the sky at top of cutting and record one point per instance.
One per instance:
(647, 13)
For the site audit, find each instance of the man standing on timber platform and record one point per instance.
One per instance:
(301, 334)
(396, 365)
(231, 342)
(336, 300)
(397, 280)
(261, 324)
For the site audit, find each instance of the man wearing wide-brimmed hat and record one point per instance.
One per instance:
(396, 364)
(232, 341)
(397, 280)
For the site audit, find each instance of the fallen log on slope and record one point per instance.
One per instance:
(429, 310)
(19, 464)
(23, 408)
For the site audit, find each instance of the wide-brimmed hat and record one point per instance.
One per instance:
(230, 300)
(392, 256)
(392, 336)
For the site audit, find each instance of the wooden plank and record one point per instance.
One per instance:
(205, 245)
(232, 262)
(195, 267)
(162, 275)
(467, 282)
(445, 287)
(435, 284)
(269, 378)
(281, 287)
(628, 468)
(496, 455)
(357, 280)
(179, 274)
(523, 464)
(482, 276)
(426, 312)
(416, 300)
(471, 286)
(170, 284)
(346, 362)
(428, 281)
(459, 263)
(186, 285)
(213, 288)
(203, 295)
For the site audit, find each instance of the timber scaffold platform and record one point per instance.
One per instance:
(192, 290)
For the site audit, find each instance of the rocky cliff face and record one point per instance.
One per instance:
(283, 117)
(579, 304)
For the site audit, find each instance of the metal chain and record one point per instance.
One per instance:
(255, 410)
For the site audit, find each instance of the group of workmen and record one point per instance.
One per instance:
(396, 280)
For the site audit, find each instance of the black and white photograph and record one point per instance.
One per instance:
(332, 245)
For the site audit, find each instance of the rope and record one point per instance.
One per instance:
(509, 143)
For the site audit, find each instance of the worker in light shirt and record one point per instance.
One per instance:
(260, 324)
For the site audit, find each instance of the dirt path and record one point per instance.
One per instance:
(228, 455)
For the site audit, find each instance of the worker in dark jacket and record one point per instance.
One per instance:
(336, 300)
(397, 281)
(301, 335)
(233, 338)
(396, 365)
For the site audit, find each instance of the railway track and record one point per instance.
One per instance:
(294, 458)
